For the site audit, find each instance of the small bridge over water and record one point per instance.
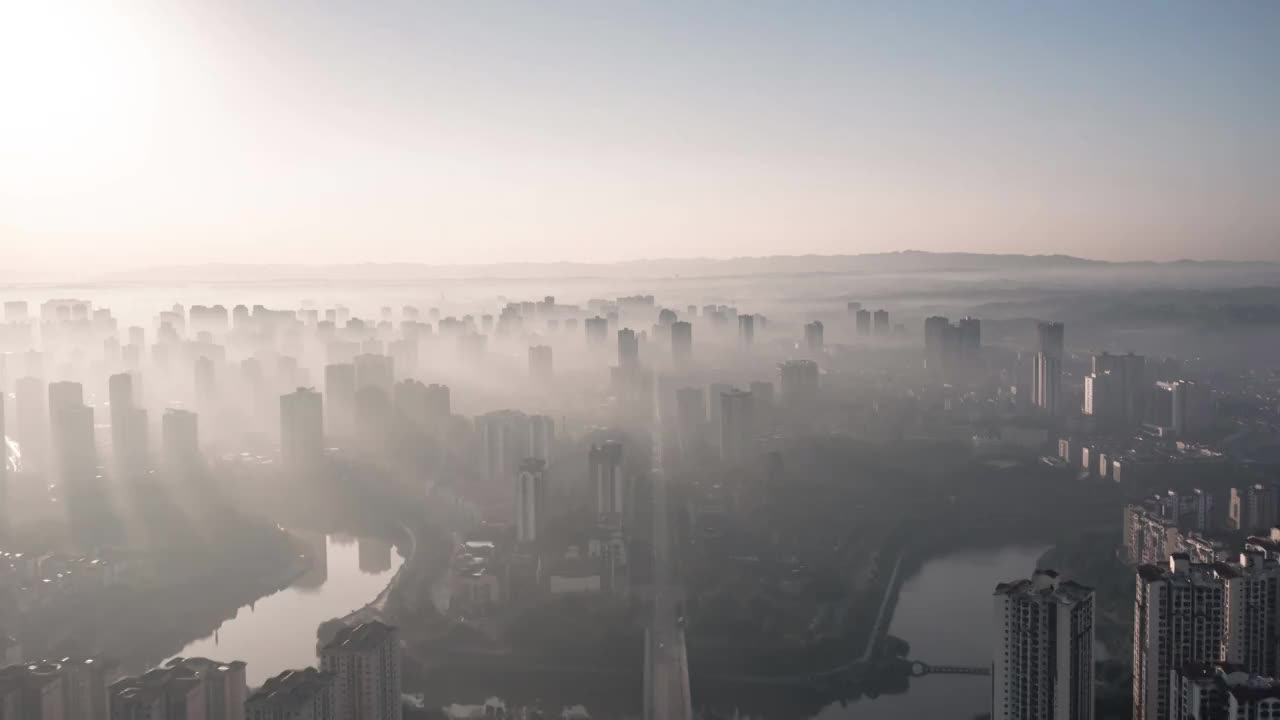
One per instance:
(920, 669)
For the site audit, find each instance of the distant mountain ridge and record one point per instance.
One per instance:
(908, 261)
(888, 263)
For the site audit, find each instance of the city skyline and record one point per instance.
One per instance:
(828, 360)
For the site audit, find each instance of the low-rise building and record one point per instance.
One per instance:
(475, 588)
(575, 573)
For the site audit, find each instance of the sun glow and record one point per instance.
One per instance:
(79, 82)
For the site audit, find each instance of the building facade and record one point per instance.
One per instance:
(1043, 650)
(365, 663)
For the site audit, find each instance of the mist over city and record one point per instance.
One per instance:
(654, 361)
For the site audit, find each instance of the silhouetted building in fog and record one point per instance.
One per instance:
(412, 406)
(4, 475)
(542, 436)
(737, 424)
(608, 483)
(439, 409)
(881, 322)
(970, 340)
(540, 363)
(596, 330)
(15, 311)
(691, 417)
(952, 351)
(628, 349)
(504, 442)
(862, 320)
(1179, 407)
(301, 428)
(799, 380)
(1046, 370)
(531, 499)
(681, 343)
(1050, 338)
(813, 337)
(1047, 383)
(746, 329)
(373, 370)
(206, 384)
(762, 403)
(340, 399)
(1115, 392)
(935, 336)
(376, 422)
(128, 427)
(31, 411)
(75, 456)
(180, 439)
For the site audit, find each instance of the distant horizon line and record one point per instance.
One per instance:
(712, 258)
(908, 260)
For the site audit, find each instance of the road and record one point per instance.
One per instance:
(666, 662)
(890, 594)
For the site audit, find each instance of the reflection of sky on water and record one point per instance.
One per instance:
(945, 612)
(278, 632)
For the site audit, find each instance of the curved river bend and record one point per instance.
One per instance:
(278, 632)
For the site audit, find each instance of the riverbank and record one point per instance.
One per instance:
(169, 598)
(377, 608)
(279, 631)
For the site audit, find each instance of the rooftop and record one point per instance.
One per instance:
(1046, 585)
(364, 636)
(291, 688)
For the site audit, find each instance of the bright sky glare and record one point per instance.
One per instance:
(143, 132)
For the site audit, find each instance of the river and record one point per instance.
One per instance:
(944, 611)
(278, 632)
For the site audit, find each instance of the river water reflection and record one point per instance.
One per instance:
(945, 612)
(278, 632)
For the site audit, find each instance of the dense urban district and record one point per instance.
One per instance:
(632, 506)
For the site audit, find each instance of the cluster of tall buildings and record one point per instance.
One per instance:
(359, 677)
(866, 322)
(1204, 641)
(1169, 524)
(1204, 633)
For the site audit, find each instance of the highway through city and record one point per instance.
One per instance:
(666, 684)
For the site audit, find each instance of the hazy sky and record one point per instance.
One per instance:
(140, 132)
